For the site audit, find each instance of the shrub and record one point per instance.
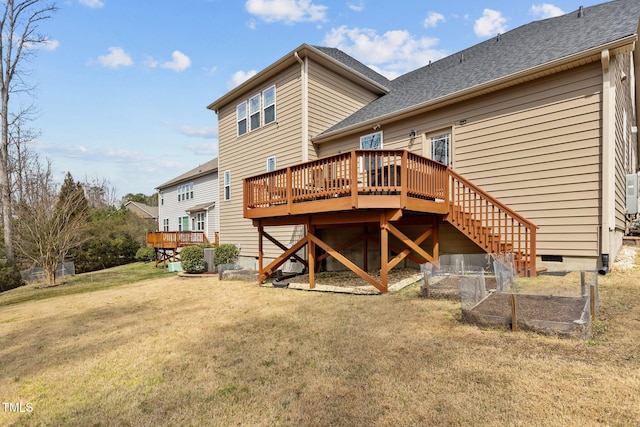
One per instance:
(192, 259)
(226, 254)
(10, 277)
(146, 254)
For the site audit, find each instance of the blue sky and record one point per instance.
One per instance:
(123, 85)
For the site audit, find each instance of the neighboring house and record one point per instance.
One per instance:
(143, 211)
(542, 117)
(189, 202)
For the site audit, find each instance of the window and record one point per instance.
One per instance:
(271, 163)
(241, 117)
(184, 223)
(200, 220)
(227, 185)
(259, 110)
(165, 224)
(269, 107)
(185, 192)
(372, 141)
(162, 200)
(440, 148)
(254, 112)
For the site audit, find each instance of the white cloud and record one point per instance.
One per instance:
(240, 77)
(94, 4)
(150, 62)
(490, 23)
(210, 149)
(391, 54)
(180, 62)
(288, 11)
(199, 131)
(359, 7)
(116, 58)
(545, 10)
(50, 44)
(432, 19)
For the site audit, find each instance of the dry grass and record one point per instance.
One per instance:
(173, 351)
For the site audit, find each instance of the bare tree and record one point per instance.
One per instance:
(19, 38)
(49, 224)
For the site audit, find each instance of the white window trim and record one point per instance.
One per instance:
(253, 113)
(428, 147)
(246, 118)
(275, 164)
(372, 134)
(227, 184)
(265, 106)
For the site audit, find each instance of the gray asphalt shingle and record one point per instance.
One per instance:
(528, 46)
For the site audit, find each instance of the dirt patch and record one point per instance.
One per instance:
(349, 282)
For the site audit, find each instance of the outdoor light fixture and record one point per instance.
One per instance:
(412, 134)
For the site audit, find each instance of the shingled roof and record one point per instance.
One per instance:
(203, 169)
(523, 48)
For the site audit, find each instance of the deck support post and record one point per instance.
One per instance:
(260, 252)
(365, 250)
(311, 230)
(384, 251)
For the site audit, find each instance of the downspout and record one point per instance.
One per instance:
(608, 161)
(304, 77)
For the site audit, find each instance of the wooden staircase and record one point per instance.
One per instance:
(494, 227)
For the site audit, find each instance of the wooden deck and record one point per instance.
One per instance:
(167, 244)
(383, 186)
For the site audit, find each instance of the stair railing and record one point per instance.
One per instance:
(494, 226)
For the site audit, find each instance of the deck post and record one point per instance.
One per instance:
(311, 230)
(436, 241)
(384, 251)
(260, 252)
(404, 182)
(353, 172)
(365, 250)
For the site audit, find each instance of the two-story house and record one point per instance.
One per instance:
(189, 202)
(538, 124)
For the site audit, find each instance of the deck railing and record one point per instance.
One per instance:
(488, 222)
(175, 239)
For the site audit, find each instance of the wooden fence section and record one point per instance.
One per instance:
(393, 179)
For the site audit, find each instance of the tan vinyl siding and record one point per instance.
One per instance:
(626, 143)
(536, 147)
(332, 98)
(247, 155)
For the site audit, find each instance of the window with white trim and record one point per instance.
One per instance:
(440, 148)
(227, 185)
(271, 163)
(254, 112)
(183, 223)
(200, 221)
(241, 118)
(185, 192)
(372, 141)
(269, 105)
(165, 224)
(257, 111)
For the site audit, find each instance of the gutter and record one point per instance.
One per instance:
(607, 204)
(490, 86)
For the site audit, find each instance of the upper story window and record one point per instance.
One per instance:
(269, 105)
(258, 111)
(254, 112)
(241, 117)
(185, 192)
